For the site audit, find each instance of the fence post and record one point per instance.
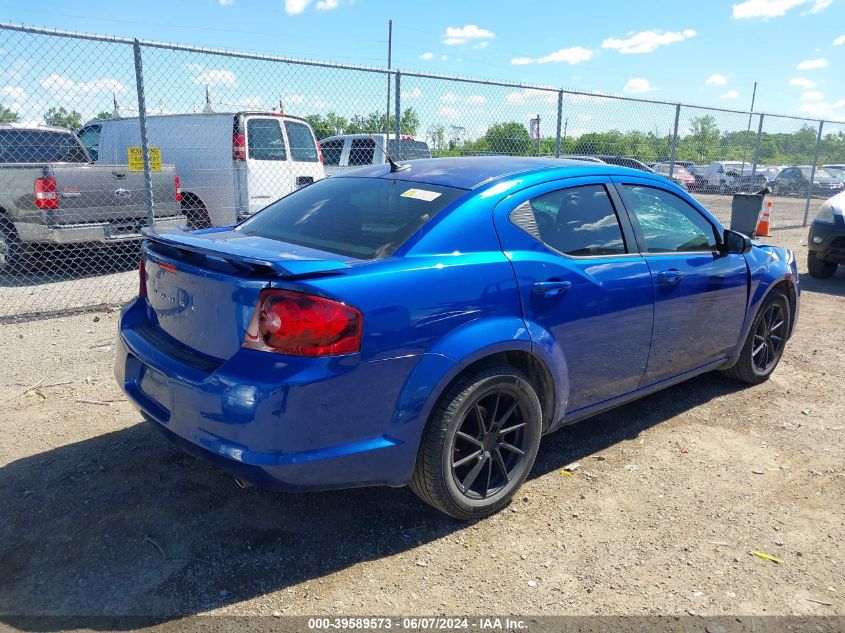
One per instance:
(142, 122)
(397, 115)
(813, 172)
(757, 147)
(559, 122)
(675, 139)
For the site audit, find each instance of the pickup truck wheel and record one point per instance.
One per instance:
(763, 348)
(195, 212)
(819, 268)
(10, 247)
(480, 443)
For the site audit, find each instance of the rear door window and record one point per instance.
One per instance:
(302, 145)
(362, 152)
(364, 218)
(90, 138)
(331, 152)
(265, 140)
(576, 221)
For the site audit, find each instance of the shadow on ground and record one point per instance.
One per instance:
(835, 286)
(124, 523)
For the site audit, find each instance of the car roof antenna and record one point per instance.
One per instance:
(394, 166)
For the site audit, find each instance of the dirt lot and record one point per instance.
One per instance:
(101, 516)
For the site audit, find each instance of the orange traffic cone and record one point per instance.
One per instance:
(763, 224)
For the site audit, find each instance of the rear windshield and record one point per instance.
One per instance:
(407, 149)
(40, 146)
(331, 152)
(302, 145)
(264, 140)
(365, 218)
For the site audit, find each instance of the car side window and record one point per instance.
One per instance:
(362, 151)
(331, 152)
(668, 223)
(576, 221)
(90, 138)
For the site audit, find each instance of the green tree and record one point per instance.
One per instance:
(7, 115)
(509, 138)
(60, 117)
(105, 116)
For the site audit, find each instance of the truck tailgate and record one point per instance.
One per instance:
(106, 193)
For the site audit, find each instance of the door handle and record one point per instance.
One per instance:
(550, 288)
(670, 276)
(119, 175)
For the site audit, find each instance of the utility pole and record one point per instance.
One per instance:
(389, 60)
(748, 130)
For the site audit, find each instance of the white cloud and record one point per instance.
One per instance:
(212, 76)
(839, 41)
(448, 97)
(295, 7)
(456, 35)
(57, 84)
(812, 95)
(226, 3)
(443, 58)
(449, 113)
(413, 93)
(766, 9)
(293, 99)
(530, 96)
(319, 104)
(638, 85)
(811, 64)
(327, 5)
(13, 93)
(251, 102)
(482, 44)
(572, 56)
(824, 109)
(716, 80)
(646, 41)
(730, 94)
(802, 82)
(476, 99)
(427, 56)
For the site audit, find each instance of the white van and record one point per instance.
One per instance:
(348, 151)
(230, 165)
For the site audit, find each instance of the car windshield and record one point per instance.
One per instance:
(820, 173)
(40, 146)
(365, 218)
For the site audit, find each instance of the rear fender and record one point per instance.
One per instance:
(461, 348)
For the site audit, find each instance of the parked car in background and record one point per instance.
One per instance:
(230, 164)
(720, 175)
(51, 193)
(348, 151)
(426, 326)
(796, 180)
(625, 161)
(826, 241)
(699, 179)
(583, 157)
(748, 180)
(837, 171)
(679, 174)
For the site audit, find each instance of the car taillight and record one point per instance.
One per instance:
(142, 279)
(46, 196)
(289, 322)
(319, 152)
(178, 184)
(238, 146)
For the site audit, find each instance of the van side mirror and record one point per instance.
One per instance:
(735, 242)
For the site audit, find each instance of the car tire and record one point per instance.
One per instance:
(803, 191)
(472, 460)
(11, 248)
(195, 212)
(819, 268)
(723, 188)
(766, 340)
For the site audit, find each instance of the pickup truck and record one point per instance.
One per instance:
(52, 193)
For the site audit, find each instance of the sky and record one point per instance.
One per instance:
(707, 53)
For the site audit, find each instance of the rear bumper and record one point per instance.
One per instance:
(281, 422)
(84, 232)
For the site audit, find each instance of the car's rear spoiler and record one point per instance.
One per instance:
(243, 250)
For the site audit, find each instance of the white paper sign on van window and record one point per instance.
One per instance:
(421, 194)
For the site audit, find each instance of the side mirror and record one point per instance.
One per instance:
(735, 242)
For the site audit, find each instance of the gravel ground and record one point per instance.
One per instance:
(673, 493)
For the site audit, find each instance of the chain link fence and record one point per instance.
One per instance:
(101, 137)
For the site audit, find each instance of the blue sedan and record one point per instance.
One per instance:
(426, 324)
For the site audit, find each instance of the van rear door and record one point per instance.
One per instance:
(281, 156)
